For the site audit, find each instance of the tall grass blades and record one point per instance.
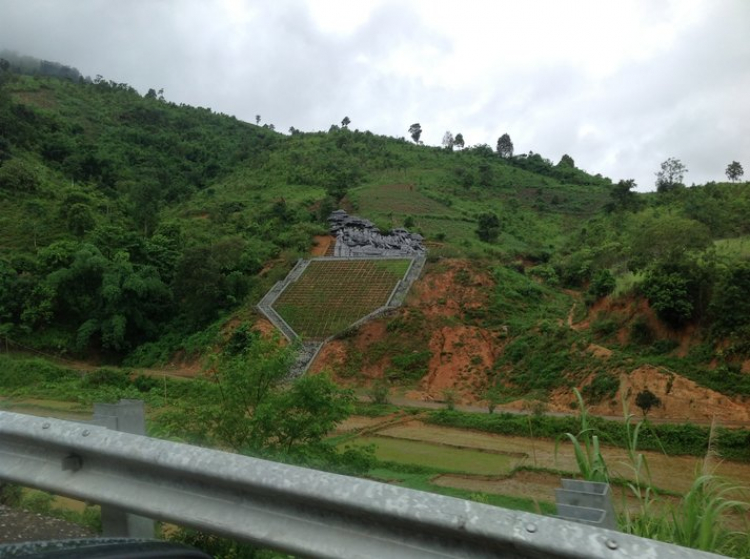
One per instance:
(588, 455)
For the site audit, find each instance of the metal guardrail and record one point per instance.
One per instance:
(296, 510)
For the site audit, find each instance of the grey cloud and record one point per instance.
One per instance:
(688, 101)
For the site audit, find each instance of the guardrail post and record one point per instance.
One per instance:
(588, 502)
(126, 416)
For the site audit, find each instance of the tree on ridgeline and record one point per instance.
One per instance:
(345, 122)
(458, 141)
(623, 197)
(415, 130)
(566, 161)
(505, 146)
(734, 171)
(448, 141)
(671, 175)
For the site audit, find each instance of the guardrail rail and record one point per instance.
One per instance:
(296, 510)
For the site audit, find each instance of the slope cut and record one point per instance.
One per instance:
(332, 294)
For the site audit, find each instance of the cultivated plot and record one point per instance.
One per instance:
(331, 295)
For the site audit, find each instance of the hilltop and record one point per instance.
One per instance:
(139, 232)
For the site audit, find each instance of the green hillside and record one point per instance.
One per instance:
(130, 220)
(131, 228)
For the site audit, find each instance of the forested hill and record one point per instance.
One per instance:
(127, 218)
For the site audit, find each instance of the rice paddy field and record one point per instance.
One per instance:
(332, 294)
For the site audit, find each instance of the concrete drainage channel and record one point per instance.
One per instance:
(309, 349)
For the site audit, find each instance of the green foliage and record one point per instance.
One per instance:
(730, 304)
(415, 131)
(409, 367)
(646, 400)
(624, 196)
(216, 546)
(505, 146)
(670, 294)
(677, 439)
(18, 176)
(602, 284)
(378, 393)
(603, 385)
(10, 494)
(734, 171)
(251, 409)
(664, 238)
(670, 176)
(589, 459)
(640, 332)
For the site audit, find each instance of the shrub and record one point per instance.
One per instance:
(378, 393)
(640, 332)
(646, 400)
(604, 327)
(602, 284)
(603, 385)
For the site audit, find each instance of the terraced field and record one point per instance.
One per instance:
(331, 295)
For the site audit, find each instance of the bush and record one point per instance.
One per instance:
(17, 176)
(378, 393)
(640, 332)
(604, 327)
(662, 347)
(602, 284)
(603, 385)
(409, 366)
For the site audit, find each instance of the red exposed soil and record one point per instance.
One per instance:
(322, 244)
(681, 398)
(460, 357)
(461, 353)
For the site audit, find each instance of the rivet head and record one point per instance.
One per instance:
(86, 433)
(531, 528)
(612, 544)
(46, 425)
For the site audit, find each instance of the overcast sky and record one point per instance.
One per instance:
(619, 85)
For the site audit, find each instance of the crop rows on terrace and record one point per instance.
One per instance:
(331, 295)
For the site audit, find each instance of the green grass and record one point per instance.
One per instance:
(440, 457)
(398, 199)
(332, 295)
(421, 482)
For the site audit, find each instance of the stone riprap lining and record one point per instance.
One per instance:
(356, 239)
(356, 236)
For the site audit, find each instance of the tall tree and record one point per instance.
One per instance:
(458, 141)
(416, 131)
(671, 175)
(257, 119)
(566, 161)
(448, 141)
(734, 171)
(345, 122)
(505, 146)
